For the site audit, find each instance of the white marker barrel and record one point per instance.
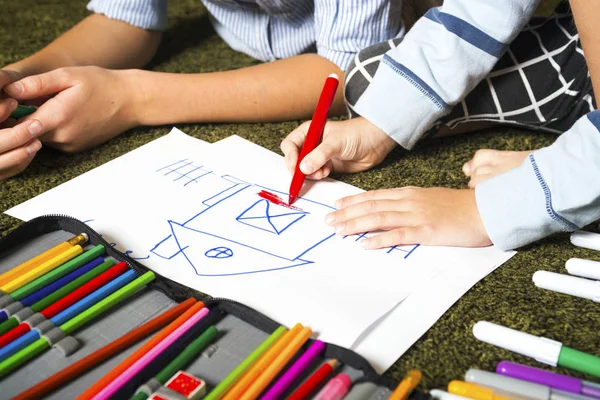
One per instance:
(586, 268)
(542, 349)
(580, 287)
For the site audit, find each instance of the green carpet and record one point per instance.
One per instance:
(447, 350)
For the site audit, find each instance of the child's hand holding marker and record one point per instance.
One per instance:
(349, 146)
(409, 215)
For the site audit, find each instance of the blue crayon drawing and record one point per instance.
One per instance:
(234, 232)
(261, 215)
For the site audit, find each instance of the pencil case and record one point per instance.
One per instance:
(241, 329)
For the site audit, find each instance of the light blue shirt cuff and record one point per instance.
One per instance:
(400, 104)
(145, 14)
(512, 207)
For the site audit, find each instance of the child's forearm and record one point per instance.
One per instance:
(281, 90)
(586, 18)
(97, 40)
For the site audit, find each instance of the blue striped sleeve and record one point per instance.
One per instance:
(557, 189)
(443, 57)
(145, 14)
(343, 27)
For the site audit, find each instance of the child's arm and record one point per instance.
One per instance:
(586, 19)
(97, 40)
(442, 58)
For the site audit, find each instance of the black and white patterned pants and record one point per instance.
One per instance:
(541, 82)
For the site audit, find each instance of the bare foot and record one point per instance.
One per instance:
(486, 164)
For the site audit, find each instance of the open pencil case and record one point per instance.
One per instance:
(241, 329)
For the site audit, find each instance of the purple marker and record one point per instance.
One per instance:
(279, 387)
(551, 379)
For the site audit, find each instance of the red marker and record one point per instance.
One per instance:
(315, 131)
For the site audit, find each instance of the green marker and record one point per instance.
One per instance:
(542, 349)
(244, 366)
(22, 111)
(184, 358)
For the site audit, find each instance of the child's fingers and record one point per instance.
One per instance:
(317, 158)
(36, 86)
(291, 146)
(371, 207)
(7, 106)
(381, 194)
(406, 235)
(16, 160)
(18, 136)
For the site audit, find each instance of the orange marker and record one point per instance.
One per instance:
(408, 384)
(473, 391)
(277, 365)
(42, 258)
(262, 364)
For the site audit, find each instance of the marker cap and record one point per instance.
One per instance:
(586, 268)
(580, 287)
(542, 349)
(506, 386)
(589, 240)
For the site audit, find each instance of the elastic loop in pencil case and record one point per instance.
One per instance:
(13, 308)
(6, 300)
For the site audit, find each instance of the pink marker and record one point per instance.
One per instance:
(137, 366)
(335, 389)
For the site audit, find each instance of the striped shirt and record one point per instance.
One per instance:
(273, 29)
(443, 57)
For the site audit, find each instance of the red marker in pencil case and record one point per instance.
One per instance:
(315, 130)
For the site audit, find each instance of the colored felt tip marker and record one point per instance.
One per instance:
(22, 111)
(407, 385)
(588, 240)
(235, 375)
(276, 391)
(548, 378)
(540, 348)
(473, 391)
(571, 285)
(335, 389)
(584, 268)
(514, 388)
(315, 130)
(314, 380)
(42, 258)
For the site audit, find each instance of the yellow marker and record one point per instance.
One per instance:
(41, 269)
(408, 384)
(235, 392)
(277, 365)
(42, 258)
(473, 391)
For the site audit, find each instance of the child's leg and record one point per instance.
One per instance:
(541, 83)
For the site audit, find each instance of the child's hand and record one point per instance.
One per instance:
(348, 146)
(411, 215)
(18, 146)
(7, 105)
(91, 105)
